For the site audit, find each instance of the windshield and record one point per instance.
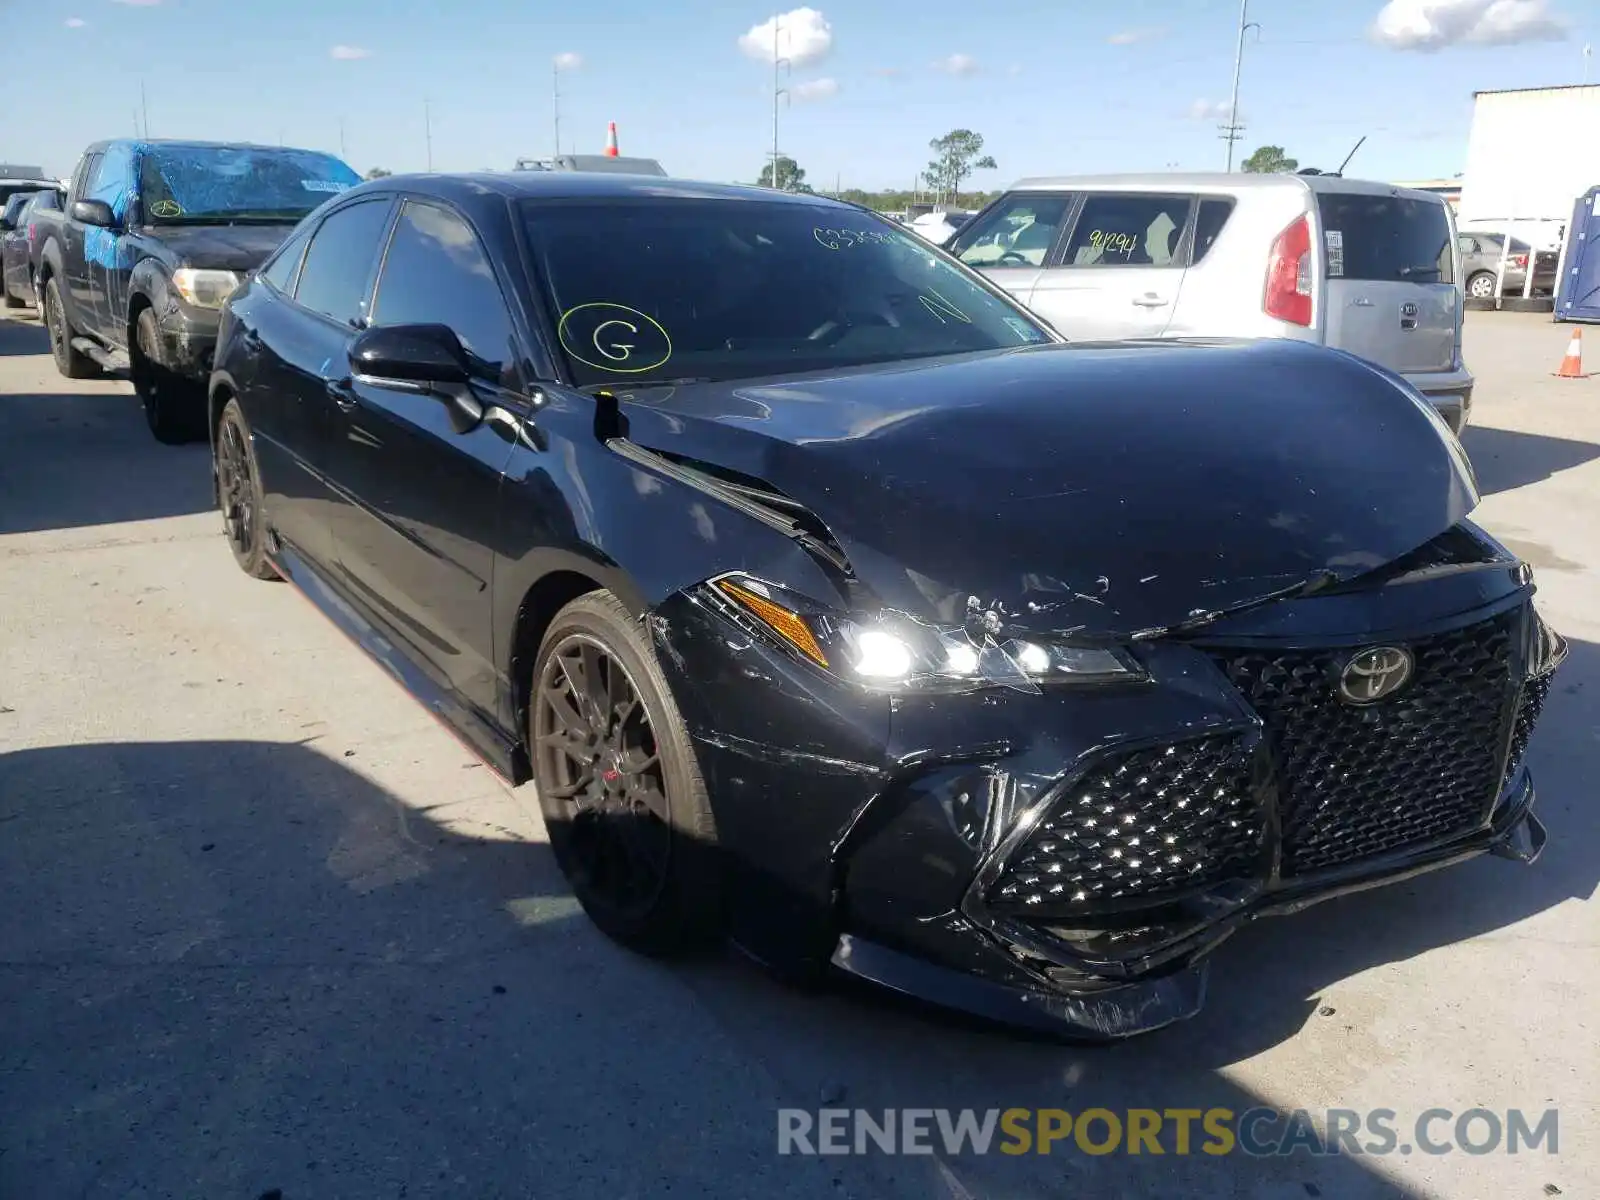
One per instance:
(663, 288)
(186, 185)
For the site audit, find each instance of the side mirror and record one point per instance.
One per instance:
(425, 354)
(419, 358)
(94, 212)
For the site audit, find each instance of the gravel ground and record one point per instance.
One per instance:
(267, 930)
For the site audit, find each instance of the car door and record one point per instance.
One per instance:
(1120, 271)
(423, 491)
(301, 345)
(107, 253)
(1011, 240)
(1391, 279)
(74, 237)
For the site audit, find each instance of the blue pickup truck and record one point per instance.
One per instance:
(153, 237)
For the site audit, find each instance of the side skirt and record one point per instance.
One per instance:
(483, 738)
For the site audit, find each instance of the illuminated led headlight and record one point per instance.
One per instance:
(204, 289)
(897, 653)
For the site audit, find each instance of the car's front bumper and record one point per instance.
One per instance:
(1003, 852)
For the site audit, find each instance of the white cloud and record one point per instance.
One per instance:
(349, 52)
(1209, 110)
(1129, 37)
(816, 89)
(568, 60)
(1429, 25)
(957, 64)
(802, 36)
(76, 22)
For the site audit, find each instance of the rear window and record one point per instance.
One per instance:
(1386, 238)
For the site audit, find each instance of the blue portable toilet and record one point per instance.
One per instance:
(1578, 289)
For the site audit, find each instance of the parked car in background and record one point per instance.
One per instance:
(16, 178)
(155, 236)
(1480, 264)
(939, 226)
(831, 603)
(18, 243)
(1363, 267)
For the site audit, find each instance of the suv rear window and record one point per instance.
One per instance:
(1388, 238)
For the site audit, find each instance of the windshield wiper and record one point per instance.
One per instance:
(1408, 272)
(635, 385)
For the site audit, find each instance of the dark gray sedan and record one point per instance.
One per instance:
(1480, 260)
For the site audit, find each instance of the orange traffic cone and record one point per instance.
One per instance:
(1572, 364)
(611, 139)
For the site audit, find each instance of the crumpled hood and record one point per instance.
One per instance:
(222, 247)
(1110, 489)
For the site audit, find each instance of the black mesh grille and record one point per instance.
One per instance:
(1144, 823)
(1357, 782)
(1528, 710)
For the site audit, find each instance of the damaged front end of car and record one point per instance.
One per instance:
(1046, 802)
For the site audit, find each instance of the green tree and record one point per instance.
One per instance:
(957, 155)
(791, 176)
(1270, 160)
(379, 173)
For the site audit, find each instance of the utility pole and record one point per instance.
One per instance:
(1233, 130)
(344, 153)
(144, 110)
(555, 91)
(427, 131)
(778, 92)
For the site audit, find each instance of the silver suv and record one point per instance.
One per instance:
(1363, 267)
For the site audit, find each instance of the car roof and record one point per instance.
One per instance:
(193, 143)
(1215, 181)
(581, 185)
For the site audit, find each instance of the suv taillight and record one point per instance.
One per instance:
(1520, 261)
(1288, 295)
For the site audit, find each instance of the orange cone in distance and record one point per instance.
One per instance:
(1572, 364)
(611, 139)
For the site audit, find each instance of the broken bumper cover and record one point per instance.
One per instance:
(1066, 860)
(188, 339)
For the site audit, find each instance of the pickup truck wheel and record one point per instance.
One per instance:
(174, 407)
(73, 364)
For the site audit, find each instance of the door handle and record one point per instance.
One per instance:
(1149, 300)
(340, 393)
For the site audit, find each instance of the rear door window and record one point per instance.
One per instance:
(1391, 239)
(1128, 231)
(281, 270)
(338, 266)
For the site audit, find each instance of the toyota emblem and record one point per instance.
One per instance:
(1374, 673)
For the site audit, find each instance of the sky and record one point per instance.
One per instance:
(1053, 86)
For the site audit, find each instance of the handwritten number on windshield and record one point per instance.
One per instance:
(843, 239)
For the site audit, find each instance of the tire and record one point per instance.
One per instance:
(13, 302)
(233, 463)
(73, 364)
(1481, 285)
(678, 874)
(174, 407)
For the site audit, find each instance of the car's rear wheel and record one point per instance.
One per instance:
(13, 301)
(623, 799)
(239, 491)
(74, 364)
(1481, 285)
(174, 407)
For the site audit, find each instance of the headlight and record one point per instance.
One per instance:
(894, 652)
(204, 289)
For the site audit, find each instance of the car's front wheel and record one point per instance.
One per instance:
(239, 491)
(1481, 285)
(174, 407)
(622, 796)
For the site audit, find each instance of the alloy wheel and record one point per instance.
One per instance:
(598, 761)
(236, 488)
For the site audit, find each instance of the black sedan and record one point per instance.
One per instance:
(831, 603)
(16, 244)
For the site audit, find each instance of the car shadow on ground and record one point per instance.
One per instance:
(232, 967)
(1504, 459)
(80, 459)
